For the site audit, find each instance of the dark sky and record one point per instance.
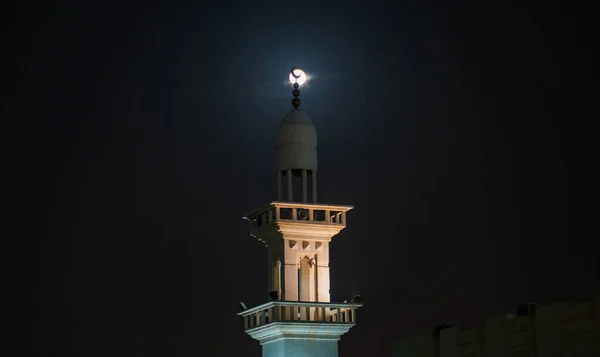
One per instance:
(137, 134)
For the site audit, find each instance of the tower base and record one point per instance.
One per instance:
(292, 339)
(296, 328)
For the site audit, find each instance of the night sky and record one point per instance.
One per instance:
(136, 136)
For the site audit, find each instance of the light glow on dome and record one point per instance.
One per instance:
(301, 76)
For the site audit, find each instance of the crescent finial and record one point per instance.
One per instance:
(293, 72)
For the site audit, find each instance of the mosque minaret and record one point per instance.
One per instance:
(298, 319)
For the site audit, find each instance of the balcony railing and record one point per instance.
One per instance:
(297, 212)
(295, 311)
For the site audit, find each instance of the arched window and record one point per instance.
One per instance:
(306, 280)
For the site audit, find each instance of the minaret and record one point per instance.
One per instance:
(298, 319)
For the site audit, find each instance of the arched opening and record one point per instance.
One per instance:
(307, 287)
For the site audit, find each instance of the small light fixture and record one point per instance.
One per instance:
(356, 299)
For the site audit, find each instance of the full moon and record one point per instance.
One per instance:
(300, 74)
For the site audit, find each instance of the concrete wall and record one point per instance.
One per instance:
(563, 329)
(506, 337)
(569, 329)
(418, 346)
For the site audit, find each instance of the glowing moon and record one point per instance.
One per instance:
(297, 76)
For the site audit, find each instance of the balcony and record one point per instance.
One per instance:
(299, 213)
(299, 312)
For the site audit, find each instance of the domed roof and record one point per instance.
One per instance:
(296, 128)
(296, 142)
(296, 116)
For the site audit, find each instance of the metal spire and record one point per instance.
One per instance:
(296, 92)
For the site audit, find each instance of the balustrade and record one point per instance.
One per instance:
(304, 312)
(300, 212)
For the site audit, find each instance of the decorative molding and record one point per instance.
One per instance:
(299, 331)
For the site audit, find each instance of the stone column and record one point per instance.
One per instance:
(314, 186)
(289, 185)
(279, 190)
(304, 186)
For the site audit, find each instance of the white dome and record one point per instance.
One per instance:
(296, 145)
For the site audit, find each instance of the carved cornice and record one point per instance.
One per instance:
(299, 330)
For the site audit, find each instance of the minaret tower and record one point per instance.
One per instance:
(298, 319)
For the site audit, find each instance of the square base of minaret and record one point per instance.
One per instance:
(301, 347)
(292, 339)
